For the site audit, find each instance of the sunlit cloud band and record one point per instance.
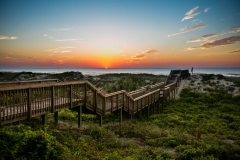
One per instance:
(189, 29)
(7, 38)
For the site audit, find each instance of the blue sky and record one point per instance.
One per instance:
(119, 33)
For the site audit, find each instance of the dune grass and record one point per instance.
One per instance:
(196, 126)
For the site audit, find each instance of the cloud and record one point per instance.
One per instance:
(42, 60)
(219, 42)
(152, 51)
(60, 49)
(65, 51)
(31, 58)
(45, 35)
(203, 38)
(68, 40)
(190, 14)
(206, 10)
(60, 29)
(8, 38)
(189, 29)
(235, 51)
(136, 57)
(234, 29)
(59, 61)
(206, 37)
(139, 56)
(9, 55)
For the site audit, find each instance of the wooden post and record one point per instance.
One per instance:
(140, 113)
(71, 99)
(148, 110)
(52, 99)
(29, 96)
(128, 102)
(104, 106)
(159, 106)
(148, 107)
(174, 93)
(120, 115)
(2, 100)
(169, 94)
(44, 119)
(85, 101)
(154, 104)
(117, 101)
(100, 120)
(162, 103)
(79, 116)
(95, 101)
(56, 118)
(111, 104)
(133, 109)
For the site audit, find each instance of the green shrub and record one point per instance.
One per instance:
(207, 77)
(67, 114)
(21, 142)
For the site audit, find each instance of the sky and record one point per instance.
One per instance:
(119, 33)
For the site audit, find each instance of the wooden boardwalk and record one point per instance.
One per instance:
(27, 99)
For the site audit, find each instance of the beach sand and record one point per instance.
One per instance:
(196, 83)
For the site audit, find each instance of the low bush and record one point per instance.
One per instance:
(20, 142)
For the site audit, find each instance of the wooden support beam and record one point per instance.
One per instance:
(56, 118)
(140, 113)
(29, 98)
(52, 99)
(162, 103)
(137, 106)
(85, 94)
(117, 101)
(133, 109)
(169, 96)
(120, 115)
(1, 109)
(128, 102)
(154, 104)
(71, 96)
(174, 93)
(100, 120)
(95, 99)
(148, 111)
(79, 116)
(148, 107)
(159, 106)
(44, 119)
(111, 104)
(104, 106)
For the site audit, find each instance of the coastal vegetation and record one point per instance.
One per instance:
(204, 123)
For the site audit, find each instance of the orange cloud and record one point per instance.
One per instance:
(235, 51)
(152, 51)
(136, 58)
(219, 42)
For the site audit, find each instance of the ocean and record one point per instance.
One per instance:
(157, 71)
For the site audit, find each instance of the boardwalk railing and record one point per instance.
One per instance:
(19, 102)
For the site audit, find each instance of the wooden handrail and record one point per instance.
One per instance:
(26, 101)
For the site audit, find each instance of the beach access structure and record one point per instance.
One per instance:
(27, 99)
